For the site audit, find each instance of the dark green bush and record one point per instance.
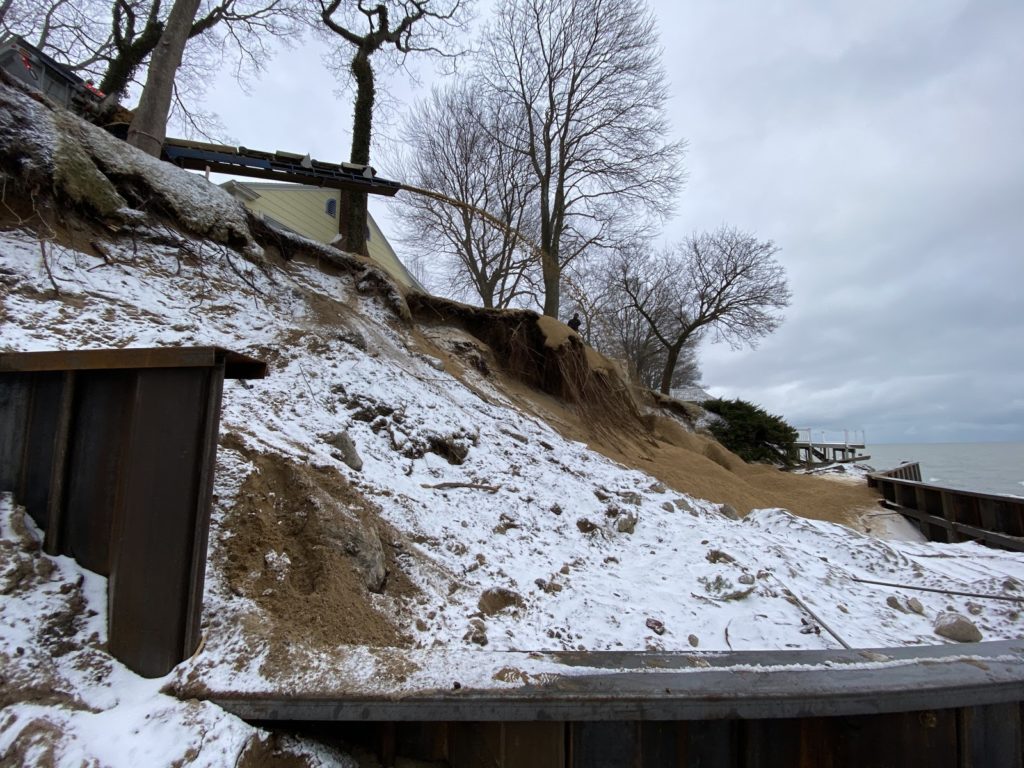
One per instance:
(752, 433)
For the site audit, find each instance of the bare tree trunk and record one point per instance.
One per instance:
(355, 221)
(670, 368)
(5, 6)
(149, 126)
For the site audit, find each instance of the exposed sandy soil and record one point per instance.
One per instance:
(325, 537)
(682, 459)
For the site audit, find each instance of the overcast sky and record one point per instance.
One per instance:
(879, 144)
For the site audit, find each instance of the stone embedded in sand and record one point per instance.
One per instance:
(626, 523)
(684, 506)
(655, 626)
(956, 627)
(729, 511)
(477, 632)
(497, 599)
(585, 525)
(346, 450)
(893, 602)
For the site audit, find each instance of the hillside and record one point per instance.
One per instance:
(419, 492)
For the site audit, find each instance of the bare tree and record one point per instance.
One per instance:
(726, 283)
(583, 82)
(450, 151)
(399, 27)
(149, 126)
(111, 40)
(612, 324)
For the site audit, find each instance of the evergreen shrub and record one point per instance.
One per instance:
(752, 433)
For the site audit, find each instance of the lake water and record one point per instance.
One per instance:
(988, 467)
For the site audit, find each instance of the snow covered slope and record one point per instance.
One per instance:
(392, 511)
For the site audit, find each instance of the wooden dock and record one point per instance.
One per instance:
(819, 445)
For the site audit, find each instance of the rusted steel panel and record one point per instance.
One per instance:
(615, 743)
(662, 744)
(112, 453)
(533, 745)
(774, 744)
(712, 743)
(476, 744)
(40, 443)
(991, 736)
(96, 464)
(901, 738)
(155, 592)
(15, 399)
(237, 366)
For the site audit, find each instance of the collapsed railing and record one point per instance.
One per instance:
(951, 514)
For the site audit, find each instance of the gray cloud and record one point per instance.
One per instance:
(880, 146)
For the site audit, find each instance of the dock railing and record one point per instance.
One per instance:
(952, 514)
(830, 445)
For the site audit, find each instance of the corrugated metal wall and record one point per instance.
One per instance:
(112, 453)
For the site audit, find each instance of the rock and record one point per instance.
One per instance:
(602, 494)
(346, 449)
(746, 578)
(657, 488)
(514, 435)
(353, 338)
(585, 525)
(667, 506)
(477, 632)
(956, 627)
(893, 602)
(693, 640)
(358, 539)
(915, 605)
(451, 447)
(729, 511)
(505, 523)
(497, 599)
(421, 625)
(718, 556)
(626, 523)
(974, 609)
(555, 509)
(564, 570)
(655, 626)
(684, 506)
(630, 497)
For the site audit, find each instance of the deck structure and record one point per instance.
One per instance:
(819, 445)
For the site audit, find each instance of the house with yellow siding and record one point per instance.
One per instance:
(313, 212)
